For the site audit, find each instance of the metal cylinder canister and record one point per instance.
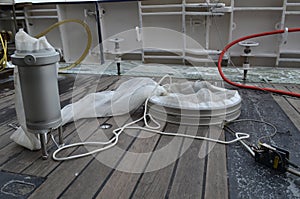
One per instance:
(39, 87)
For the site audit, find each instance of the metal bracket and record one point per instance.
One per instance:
(285, 36)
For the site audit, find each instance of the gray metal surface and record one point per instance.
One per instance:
(38, 81)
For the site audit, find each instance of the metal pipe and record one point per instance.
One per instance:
(14, 17)
(293, 171)
(119, 68)
(43, 139)
(60, 136)
(99, 33)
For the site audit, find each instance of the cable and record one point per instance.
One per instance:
(153, 129)
(3, 61)
(228, 46)
(89, 39)
(257, 121)
(246, 144)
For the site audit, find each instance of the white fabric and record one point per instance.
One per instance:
(199, 95)
(129, 96)
(25, 42)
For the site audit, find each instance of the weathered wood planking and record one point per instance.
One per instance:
(68, 171)
(40, 167)
(5, 138)
(295, 102)
(97, 175)
(4, 126)
(288, 107)
(161, 166)
(26, 158)
(133, 163)
(9, 152)
(190, 176)
(7, 101)
(216, 185)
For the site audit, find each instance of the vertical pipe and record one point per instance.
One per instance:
(141, 28)
(43, 139)
(60, 136)
(282, 24)
(25, 10)
(63, 33)
(230, 28)
(119, 68)
(184, 31)
(207, 28)
(99, 33)
(15, 18)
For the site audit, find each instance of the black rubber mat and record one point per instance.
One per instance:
(248, 179)
(14, 186)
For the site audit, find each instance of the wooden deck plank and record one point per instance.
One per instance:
(7, 112)
(42, 167)
(72, 87)
(66, 172)
(6, 89)
(186, 177)
(5, 138)
(27, 157)
(216, 185)
(288, 108)
(295, 102)
(104, 180)
(156, 181)
(96, 84)
(69, 170)
(88, 182)
(4, 126)
(9, 152)
(97, 175)
(190, 173)
(7, 101)
(123, 180)
(7, 92)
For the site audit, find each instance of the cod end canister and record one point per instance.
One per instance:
(39, 87)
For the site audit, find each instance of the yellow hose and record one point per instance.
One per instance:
(89, 39)
(3, 61)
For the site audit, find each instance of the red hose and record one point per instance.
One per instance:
(248, 86)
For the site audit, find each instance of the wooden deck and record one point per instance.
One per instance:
(133, 171)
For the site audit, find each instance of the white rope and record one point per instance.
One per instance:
(152, 129)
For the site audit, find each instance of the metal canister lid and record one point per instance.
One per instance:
(39, 58)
